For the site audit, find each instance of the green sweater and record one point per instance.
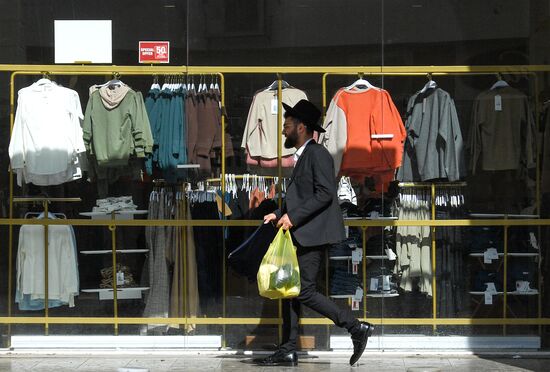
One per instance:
(112, 136)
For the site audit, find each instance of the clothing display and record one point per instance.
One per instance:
(166, 111)
(434, 145)
(342, 280)
(451, 253)
(261, 130)
(176, 113)
(116, 126)
(124, 277)
(165, 279)
(63, 281)
(502, 134)
(413, 243)
(46, 146)
(114, 204)
(353, 121)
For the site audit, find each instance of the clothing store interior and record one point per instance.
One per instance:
(452, 142)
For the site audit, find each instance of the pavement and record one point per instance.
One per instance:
(142, 361)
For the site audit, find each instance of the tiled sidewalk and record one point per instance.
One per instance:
(228, 362)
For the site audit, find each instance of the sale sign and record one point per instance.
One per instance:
(154, 52)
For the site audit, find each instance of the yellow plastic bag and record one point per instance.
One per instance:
(279, 274)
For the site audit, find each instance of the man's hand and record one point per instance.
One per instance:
(270, 218)
(285, 222)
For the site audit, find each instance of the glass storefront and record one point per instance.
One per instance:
(436, 117)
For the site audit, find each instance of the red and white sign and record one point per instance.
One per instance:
(154, 52)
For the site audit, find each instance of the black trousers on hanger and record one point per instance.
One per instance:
(309, 261)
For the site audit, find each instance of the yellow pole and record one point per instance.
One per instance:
(505, 279)
(112, 228)
(434, 266)
(280, 175)
(224, 270)
(364, 270)
(46, 268)
(10, 227)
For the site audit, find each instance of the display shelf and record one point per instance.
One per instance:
(370, 218)
(502, 215)
(188, 166)
(127, 293)
(511, 254)
(121, 251)
(343, 296)
(382, 295)
(344, 258)
(340, 258)
(533, 292)
(129, 213)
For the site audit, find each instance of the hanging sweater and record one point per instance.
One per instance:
(434, 145)
(353, 116)
(113, 135)
(261, 132)
(502, 134)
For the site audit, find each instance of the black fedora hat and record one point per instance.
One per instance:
(306, 112)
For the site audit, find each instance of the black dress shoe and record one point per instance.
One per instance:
(360, 339)
(280, 358)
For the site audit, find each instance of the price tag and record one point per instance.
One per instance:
(357, 255)
(533, 241)
(354, 269)
(489, 255)
(358, 294)
(120, 278)
(488, 298)
(498, 103)
(373, 284)
(274, 106)
(354, 305)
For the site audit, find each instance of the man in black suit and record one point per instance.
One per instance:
(311, 212)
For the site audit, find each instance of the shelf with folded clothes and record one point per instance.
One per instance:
(121, 251)
(382, 294)
(123, 293)
(118, 213)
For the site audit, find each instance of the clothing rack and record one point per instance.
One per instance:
(45, 201)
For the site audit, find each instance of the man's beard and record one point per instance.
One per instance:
(290, 142)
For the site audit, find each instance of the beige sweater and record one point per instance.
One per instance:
(260, 133)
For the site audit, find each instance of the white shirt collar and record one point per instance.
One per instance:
(299, 152)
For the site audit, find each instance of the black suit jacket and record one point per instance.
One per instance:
(311, 201)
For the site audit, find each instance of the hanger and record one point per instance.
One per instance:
(41, 215)
(114, 81)
(155, 84)
(45, 80)
(430, 84)
(500, 83)
(359, 83)
(275, 85)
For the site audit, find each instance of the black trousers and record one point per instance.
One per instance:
(309, 260)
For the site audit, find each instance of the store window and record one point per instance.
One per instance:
(440, 125)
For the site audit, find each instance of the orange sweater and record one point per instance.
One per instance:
(353, 117)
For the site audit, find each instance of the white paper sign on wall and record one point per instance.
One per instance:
(83, 41)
